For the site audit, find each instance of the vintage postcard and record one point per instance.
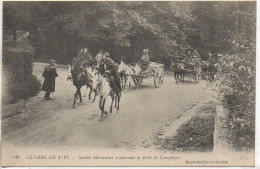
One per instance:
(128, 83)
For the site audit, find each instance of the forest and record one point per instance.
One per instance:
(170, 29)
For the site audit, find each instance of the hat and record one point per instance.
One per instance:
(145, 51)
(100, 50)
(52, 61)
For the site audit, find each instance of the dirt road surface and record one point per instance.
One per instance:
(144, 112)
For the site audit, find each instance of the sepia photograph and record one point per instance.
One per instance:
(128, 83)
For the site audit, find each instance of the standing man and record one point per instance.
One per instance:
(49, 74)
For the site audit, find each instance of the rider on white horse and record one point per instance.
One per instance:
(111, 66)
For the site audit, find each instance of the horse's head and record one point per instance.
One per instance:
(96, 81)
(121, 67)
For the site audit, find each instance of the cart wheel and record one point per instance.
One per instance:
(158, 77)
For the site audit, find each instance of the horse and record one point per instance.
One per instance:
(204, 67)
(102, 86)
(123, 79)
(178, 70)
(79, 79)
(129, 71)
(211, 72)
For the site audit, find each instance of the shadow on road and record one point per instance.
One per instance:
(187, 82)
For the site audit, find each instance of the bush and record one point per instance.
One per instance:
(238, 95)
(19, 81)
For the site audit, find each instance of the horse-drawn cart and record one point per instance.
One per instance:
(194, 73)
(182, 68)
(154, 69)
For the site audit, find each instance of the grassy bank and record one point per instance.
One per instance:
(195, 135)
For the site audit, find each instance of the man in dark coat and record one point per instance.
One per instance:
(49, 74)
(109, 65)
(80, 53)
(87, 58)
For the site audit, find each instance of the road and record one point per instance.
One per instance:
(144, 113)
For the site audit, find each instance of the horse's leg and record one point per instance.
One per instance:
(183, 75)
(85, 93)
(211, 79)
(121, 80)
(125, 79)
(118, 101)
(126, 85)
(95, 95)
(207, 78)
(179, 76)
(103, 105)
(175, 76)
(90, 92)
(130, 84)
(100, 105)
(111, 106)
(75, 97)
(79, 92)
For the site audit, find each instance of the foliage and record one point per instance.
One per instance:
(17, 68)
(238, 80)
(122, 28)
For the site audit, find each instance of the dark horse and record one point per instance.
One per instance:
(80, 77)
(178, 70)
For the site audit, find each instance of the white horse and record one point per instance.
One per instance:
(101, 85)
(129, 72)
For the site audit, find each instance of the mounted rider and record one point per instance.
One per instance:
(80, 53)
(196, 56)
(144, 62)
(83, 61)
(87, 58)
(99, 57)
(211, 67)
(108, 65)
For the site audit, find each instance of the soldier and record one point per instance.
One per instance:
(87, 58)
(80, 53)
(99, 57)
(110, 65)
(49, 74)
